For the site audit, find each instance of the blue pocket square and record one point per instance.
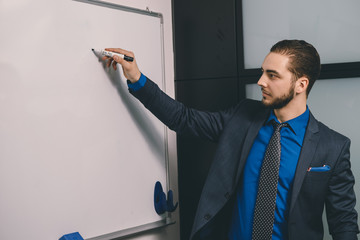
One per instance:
(319, 169)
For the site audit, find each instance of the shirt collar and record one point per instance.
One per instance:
(297, 125)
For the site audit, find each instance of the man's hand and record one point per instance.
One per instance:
(131, 70)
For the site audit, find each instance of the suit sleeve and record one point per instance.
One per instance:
(340, 203)
(178, 117)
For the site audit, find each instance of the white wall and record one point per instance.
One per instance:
(171, 232)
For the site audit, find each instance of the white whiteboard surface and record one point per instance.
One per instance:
(77, 152)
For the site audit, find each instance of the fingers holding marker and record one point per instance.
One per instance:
(114, 64)
(121, 51)
(107, 54)
(127, 55)
(112, 56)
(107, 60)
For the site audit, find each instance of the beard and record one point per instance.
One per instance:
(282, 101)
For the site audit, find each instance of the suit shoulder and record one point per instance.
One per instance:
(246, 111)
(250, 106)
(332, 134)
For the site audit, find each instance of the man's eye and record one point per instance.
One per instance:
(273, 76)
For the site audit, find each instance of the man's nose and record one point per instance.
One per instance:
(262, 81)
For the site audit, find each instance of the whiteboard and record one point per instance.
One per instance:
(77, 151)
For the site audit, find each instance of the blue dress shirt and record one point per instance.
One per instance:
(291, 142)
(137, 85)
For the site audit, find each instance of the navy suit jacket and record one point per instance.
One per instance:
(235, 130)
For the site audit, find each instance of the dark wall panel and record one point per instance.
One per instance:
(194, 159)
(195, 155)
(205, 39)
(208, 94)
(206, 78)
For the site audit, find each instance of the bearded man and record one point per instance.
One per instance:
(276, 166)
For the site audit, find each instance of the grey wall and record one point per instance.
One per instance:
(333, 27)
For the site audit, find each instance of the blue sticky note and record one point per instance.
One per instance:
(72, 236)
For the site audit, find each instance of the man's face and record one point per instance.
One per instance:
(277, 82)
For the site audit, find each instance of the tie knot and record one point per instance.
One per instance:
(277, 126)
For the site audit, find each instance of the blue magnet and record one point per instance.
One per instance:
(162, 204)
(159, 199)
(72, 236)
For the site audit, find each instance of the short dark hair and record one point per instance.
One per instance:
(304, 59)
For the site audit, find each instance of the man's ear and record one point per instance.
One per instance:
(302, 84)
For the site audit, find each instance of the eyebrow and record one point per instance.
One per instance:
(271, 71)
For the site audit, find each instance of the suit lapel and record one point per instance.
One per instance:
(307, 153)
(254, 129)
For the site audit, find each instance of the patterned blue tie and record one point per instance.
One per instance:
(266, 197)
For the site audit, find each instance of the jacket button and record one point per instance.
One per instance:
(207, 216)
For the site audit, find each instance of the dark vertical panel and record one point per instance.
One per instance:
(194, 159)
(208, 94)
(204, 33)
(240, 49)
(195, 155)
(206, 73)
(239, 36)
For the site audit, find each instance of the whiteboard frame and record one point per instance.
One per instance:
(122, 234)
(167, 218)
(124, 8)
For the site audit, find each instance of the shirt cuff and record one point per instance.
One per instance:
(137, 85)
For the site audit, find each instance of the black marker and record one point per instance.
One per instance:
(112, 54)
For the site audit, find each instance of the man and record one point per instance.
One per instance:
(276, 166)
